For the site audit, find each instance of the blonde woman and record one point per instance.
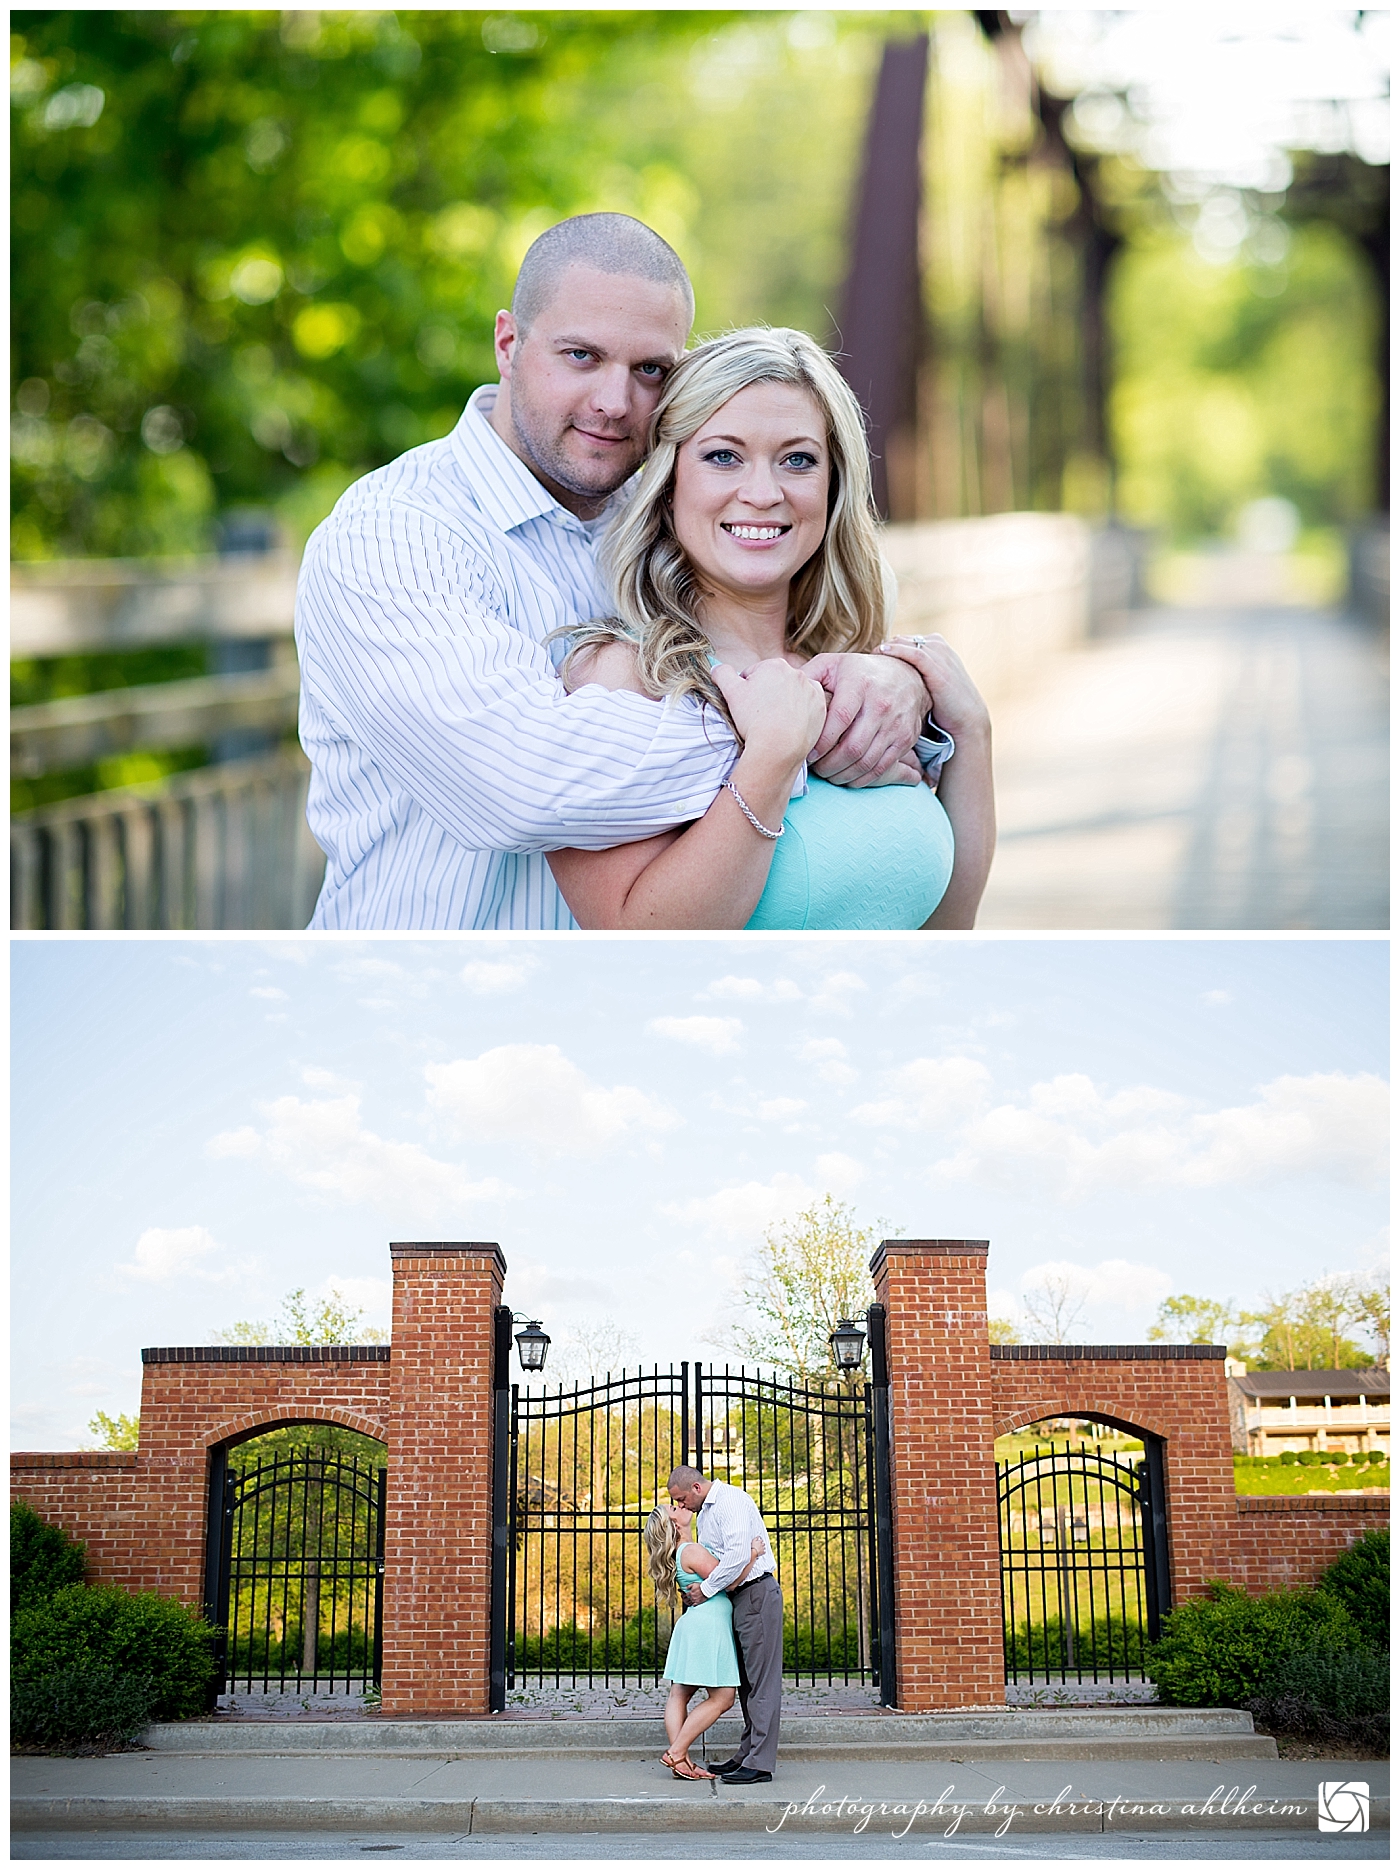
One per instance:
(749, 551)
(701, 1652)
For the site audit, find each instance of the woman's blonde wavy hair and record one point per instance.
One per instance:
(662, 1542)
(840, 599)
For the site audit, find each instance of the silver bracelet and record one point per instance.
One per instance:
(761, 829)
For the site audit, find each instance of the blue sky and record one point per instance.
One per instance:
(201, 1125)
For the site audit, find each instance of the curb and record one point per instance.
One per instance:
(717, 1812)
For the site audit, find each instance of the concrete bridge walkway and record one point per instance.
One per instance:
(1199, 769)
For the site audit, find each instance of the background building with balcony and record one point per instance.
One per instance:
(1272, 1411)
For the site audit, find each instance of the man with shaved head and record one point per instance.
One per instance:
(447, 757)
(728, 1521)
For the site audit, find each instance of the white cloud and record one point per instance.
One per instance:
(1116, 1285)
(267, 993)
(487, 977)
(534, 1094)
(1217, 997)
(746, 1209)
(319, 1079)
(774, 1109)
(374, 1297)
(835, 993)
(1068, 1139)
(1327, 1124)
(323, 1145)
(827, 1057)
(711, 1035)
(744, 987)
(928, 1093)
(174, 1253)
(839, 1173)
(531, 1283)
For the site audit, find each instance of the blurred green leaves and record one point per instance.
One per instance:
(260, 253)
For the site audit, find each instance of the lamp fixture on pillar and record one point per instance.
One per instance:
(847, 1343)
(532, 1342)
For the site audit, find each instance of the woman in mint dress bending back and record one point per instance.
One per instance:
(702, 1652)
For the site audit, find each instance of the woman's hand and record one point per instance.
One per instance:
(757, 1547)
(778, 711)
(953, 698)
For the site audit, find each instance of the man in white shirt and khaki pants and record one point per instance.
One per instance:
(729, 1521)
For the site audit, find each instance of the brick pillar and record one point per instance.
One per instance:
(947, 1568)
(437, 1535)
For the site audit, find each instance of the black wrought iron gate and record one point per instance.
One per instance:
(1083, 1563)
(579, 1468)
(296, 1545)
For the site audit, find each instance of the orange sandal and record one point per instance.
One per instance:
(687, 1769)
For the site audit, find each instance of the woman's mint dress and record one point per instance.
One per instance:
(702, 1652)
(873, 857)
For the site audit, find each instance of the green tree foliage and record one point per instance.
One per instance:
(120, 1431)
(809, 1273)
(259, 253)
(332, 1320)
(1218, 1650)
(1304, 1329)
(43, 1559)
(1241, 380)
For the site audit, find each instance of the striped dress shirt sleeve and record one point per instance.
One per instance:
(729, 1522)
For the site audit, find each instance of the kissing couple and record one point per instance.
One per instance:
(730, 1635)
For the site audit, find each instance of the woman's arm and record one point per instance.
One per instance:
(700, 1560)
(965, 782)
(712, 874)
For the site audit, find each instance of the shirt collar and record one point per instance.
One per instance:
(507, 491)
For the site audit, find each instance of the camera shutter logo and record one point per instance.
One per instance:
(1344, 1805)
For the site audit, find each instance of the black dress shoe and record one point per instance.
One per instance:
(725, 1766)
(745, 1776)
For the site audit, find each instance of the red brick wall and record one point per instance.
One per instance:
(95, 1497)
(437, 1549)
(1278, 1541)
(1168, 1390)
(144, 1515)
(942, 1474)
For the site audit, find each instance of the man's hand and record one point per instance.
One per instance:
(693, 1594)
(875, 714)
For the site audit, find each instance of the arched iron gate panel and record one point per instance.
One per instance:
(297, 1582)
(1083, 1564)
(579, 1469)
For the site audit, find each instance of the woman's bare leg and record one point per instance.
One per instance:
(718, 1701)
(676, 1704)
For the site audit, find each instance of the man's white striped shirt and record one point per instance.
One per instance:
(728, 1524)
(447, 757)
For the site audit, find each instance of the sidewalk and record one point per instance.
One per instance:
(1200, 769)
(556, 1788)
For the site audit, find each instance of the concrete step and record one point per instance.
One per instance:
(1010, 1734)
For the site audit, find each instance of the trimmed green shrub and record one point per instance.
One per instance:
(42, 1557)
(93, 1628)
(1360, 1580)
(1376, 1455)
(1289, 1457)
(1307, 1457)
(85, 1708)
(1218, 1650)
(1343, 1699)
